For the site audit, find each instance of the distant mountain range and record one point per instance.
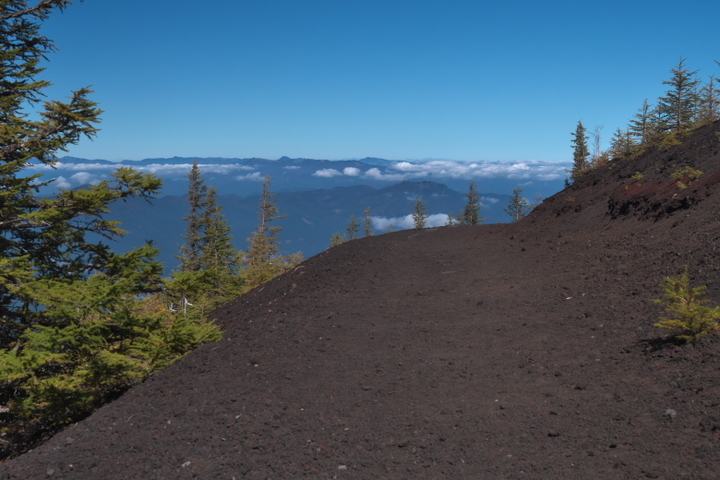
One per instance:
(318, 197)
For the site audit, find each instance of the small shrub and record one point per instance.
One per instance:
(685, 176)
(638, 176)
(689, 318)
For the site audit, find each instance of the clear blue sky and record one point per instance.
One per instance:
(397, 79)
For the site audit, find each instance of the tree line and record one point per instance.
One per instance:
(687, 104)
(80, 323)
(518, 208)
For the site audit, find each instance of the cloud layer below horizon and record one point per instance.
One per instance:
(72, 175)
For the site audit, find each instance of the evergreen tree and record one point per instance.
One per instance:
(580, 152)
(368, 223)
(73, 331)
(218, 255)
(190, 251)
(263, 260)
(471, 213)
(518, 207)
(677, 109)
(643, 125)
(336, 239)
(709, 102)
(419, 215)
(622, 144)
(353, 228)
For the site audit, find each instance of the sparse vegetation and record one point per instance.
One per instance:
(685, 176)
(689, 318)
(471, 213)
(518, 206)
(638, 176)
(419, 215)
(687, 104)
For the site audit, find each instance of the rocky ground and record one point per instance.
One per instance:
(502, 351)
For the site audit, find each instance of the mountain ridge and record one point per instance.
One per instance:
(520, 350)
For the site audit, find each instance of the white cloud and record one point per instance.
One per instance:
(86, 178)
(291, 167)
(376, 174)
(61, 182)
(253, 177)
(184, 168)
(404, 223)
(450, 169)
(327, 173)
(486, 200)
(351, 171)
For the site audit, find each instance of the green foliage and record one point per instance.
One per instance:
(580, 152)
(368, 223)
(677, 108)
(337, 239)
(190, 251)
(419, 215)
(622, 144)
(263, 260)
(689, 319)
(471, 212)
(73, 330)
(518, 207)
(685, 176)
(637, 176)
(353, 228)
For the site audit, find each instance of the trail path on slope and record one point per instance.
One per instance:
(464, 352)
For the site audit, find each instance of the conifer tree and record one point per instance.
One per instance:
(368, 223)
(518, 206)
(336, 239)
(622, 144)
(419, 215)
(73, 331)
(709, 102)
(471, 212)
(643, 125)
(677, 109)
(580, 152)
(190, 251)
(263, 260)
(218, 255)
(353, 228)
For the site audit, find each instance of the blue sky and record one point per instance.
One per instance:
(396, 79)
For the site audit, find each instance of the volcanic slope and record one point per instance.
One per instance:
(502, 351)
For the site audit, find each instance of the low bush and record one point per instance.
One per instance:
(689, 318)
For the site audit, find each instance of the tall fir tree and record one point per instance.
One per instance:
(644, 125)
(580, 152)
(471, 212)
(353, 228)
(190, 251)
(709, 102)
(518, 206)
(678, 107)
(218, 254)
(73, 331)
(419, 214)
(367, 223)
(263, 260)
(622, 144)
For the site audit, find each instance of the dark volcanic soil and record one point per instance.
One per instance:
(500, 351)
